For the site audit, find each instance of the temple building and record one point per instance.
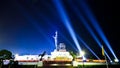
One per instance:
(59, 54)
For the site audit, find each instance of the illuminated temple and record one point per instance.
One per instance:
(59, 54)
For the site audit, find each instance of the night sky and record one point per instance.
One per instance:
(27, 26)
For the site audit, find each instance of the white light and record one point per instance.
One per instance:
(111, 61)
(84, 58)
(82, 53)
(16, 55)
(116, 60)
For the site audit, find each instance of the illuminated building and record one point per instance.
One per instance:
(59, 54)
(25, 58)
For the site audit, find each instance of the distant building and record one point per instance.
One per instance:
(26, 58)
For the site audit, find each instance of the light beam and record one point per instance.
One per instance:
(89, 28)
(66, 22)
(96, 26)
(89, 48)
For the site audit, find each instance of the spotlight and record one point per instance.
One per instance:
(82, 53)
(84, 58)
(111, 61)
(116, 60)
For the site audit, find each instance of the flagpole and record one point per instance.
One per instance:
(103, 53)
(106, 61)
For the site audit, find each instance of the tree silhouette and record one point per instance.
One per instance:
(42, 55)
(73, 55)
(5, 54)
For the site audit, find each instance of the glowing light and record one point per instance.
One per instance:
(75, 63)
(111, 61)
(82, 53)
(116, 60)
(84, 58)
(66, 22)
(16, 55)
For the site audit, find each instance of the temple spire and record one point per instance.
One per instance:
(55, 39)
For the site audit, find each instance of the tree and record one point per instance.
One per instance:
(42, 55)
(73, 55)
(5, 54)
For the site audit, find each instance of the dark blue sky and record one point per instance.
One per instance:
(27, 26)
